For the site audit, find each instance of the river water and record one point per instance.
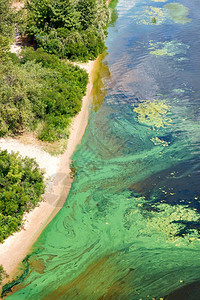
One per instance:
(130, 226)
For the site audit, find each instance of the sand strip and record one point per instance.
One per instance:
(16, 247)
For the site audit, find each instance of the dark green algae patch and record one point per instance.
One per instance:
(7, 288)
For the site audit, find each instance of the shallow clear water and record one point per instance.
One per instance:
(130, 226)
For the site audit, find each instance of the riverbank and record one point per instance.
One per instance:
(16, 247)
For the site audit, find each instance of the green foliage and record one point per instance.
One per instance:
(21, 187)
(4, 47)
(40, 89)
(88, 13)
(7, 19)
(113, 11)
(67, 28)
(2, 274)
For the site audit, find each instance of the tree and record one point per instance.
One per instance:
(6, 18)
(21, 188)
(59, 26)
(40, 89)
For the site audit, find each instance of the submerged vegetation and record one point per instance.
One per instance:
(171, 48)
(153, 113)
(178, 12)
(150, 16)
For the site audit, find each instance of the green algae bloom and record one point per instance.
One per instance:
(151, 16)
(171, 48)
(178, 12)
(159, 142)
(168, 222)
(178, 91)
(153, 20)
(181, 59)
(175, 11)
(153, 113)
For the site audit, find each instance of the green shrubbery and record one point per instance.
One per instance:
(40, 92)
(67, 28)
(7, 17)
(6, 28)
(21, 187)
(40, 88)
(2, 274)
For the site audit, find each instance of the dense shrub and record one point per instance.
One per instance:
(40, 89)
(21, 187)
(2, 274)
(37, 90)
(7, 19)
(68, 28)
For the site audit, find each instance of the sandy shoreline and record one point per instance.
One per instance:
(16, 247)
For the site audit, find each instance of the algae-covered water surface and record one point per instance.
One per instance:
(130, 226)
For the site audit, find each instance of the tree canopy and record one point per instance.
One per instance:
(6, 28)
(68, 28)
(21, 187)
(40, 90)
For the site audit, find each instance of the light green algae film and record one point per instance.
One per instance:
(151, 15)
(154, 15)
(178, 12)
(171, 48)
(153, 113)
(130, 227)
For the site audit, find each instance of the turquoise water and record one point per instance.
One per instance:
(130, 226)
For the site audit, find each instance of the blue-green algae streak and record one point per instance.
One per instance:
(130, 226)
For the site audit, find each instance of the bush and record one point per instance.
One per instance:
(2, 274)
(21, 187)
(7, 19)
(72, 29)
(55, 129)
(40, 89)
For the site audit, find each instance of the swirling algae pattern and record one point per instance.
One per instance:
(130, 226)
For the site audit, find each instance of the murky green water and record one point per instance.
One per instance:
(130, 226)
